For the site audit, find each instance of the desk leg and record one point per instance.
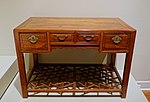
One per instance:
(35, 59)
(113, 59)
(126, 74)
(22, 73)
(127, 66)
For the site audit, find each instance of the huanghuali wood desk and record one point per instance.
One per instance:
(44, 34)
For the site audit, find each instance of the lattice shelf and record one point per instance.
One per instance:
(74, 80)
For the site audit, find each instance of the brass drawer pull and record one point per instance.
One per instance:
(88, 38)
(116, 39)
(62, 38)
(33, 39)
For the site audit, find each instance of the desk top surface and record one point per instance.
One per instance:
(74, 24)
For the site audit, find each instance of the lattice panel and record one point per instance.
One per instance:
(74, 79)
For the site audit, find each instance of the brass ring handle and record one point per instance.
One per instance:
(116, 39)
(62, 38)
(88, 38)
(33, 39)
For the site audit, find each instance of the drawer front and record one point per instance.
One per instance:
(61, 37)
(33, 42)
(88, 37)
(112, 41)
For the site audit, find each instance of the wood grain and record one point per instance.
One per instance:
(147, 94)
(53, 32)
(74, 24)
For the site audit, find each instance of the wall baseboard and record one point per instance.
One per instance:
(144, 85)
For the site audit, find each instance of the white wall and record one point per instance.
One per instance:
(134, 12)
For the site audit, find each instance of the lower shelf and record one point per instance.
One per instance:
(74, 80)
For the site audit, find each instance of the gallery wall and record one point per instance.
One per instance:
(134, 12)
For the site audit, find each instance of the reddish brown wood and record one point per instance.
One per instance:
(127, 66)
(113, 59)
(88, 90)
(41, 44)
(21, 66)
(73, 24)
(74, 78)
(35, 59)
(108, 43)
(62, 38)
(43, 34)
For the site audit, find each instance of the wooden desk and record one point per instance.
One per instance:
(44, 34)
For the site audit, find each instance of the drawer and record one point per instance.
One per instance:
(31, 42)
(88, 37)
(61, 37)
(115, 41)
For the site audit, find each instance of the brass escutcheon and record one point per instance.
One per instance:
(116, 39)
(62, 38)
(33, 39)
(88, 39)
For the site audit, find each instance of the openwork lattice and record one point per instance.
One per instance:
(74, 80)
